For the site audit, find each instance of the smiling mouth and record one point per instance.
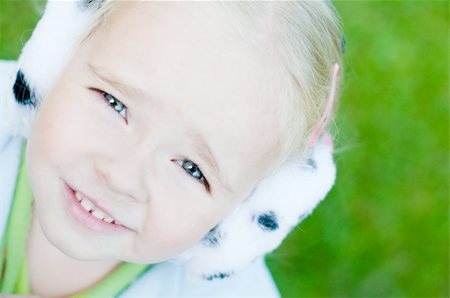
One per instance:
(95, 211)
(90, 215)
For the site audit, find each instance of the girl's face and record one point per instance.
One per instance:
(152, 89)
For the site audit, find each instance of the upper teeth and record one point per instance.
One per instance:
(90, 207)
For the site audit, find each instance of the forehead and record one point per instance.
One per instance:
(183, 56)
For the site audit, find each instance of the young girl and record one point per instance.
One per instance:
(163, 131)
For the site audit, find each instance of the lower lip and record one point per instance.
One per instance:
(86, 218)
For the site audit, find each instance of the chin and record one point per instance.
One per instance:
(149, 256)
(81, 253)
(75, 247)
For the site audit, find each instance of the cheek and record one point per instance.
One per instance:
(69, 124)
(49, 150)
(170, 231)
(48, 137)
(172, 228)
(176, 218)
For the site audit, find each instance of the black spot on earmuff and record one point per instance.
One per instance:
(220, 275)
(83, 4)
(311, 163)
(268, 221)
(213, 237)
(22, 91)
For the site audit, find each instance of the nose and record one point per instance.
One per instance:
(123, 175)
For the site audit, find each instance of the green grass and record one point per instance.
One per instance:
(17, 20)
(384, 229)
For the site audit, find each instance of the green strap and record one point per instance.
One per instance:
(116, 282)
(22, 285)
(13, 266)
(15, 238)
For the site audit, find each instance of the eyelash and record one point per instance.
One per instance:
(185, 164)
(119, 107)
(188, 166)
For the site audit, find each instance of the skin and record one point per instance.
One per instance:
(198, 83)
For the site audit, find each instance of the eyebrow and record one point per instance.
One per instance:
(109, 78)
(200, 144)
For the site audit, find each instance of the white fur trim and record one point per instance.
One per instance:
(48, 50)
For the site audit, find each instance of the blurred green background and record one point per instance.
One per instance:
(383, 231)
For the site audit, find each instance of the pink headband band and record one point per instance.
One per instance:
(329, 107)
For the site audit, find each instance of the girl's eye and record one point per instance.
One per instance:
(193, 170)
(116, 104)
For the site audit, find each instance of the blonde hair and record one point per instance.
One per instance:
(305, 38)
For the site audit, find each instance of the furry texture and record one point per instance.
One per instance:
(256, 227)
(46, 53)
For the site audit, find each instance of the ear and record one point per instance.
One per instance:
(331, 102)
